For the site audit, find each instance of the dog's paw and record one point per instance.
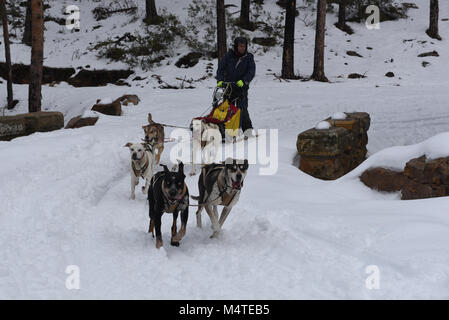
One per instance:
(214, 235)
(159, 243)
(174, 243)
(133, 197)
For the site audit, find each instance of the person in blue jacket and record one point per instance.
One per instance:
(238, 66)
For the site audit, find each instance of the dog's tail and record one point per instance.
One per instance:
(195, 197)
(165, 167)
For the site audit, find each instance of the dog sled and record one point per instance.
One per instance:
(225, 112)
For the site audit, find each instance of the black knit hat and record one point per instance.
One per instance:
(240, 40)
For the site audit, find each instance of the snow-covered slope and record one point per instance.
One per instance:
(65, 194)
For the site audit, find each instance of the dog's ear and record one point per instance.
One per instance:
(246, 164)
(150, 118)
(165, 167)
(129, 144)
(181, 167)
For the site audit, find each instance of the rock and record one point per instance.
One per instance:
(389, 74)
(12, 127)
(112, 109)
(324, 143)
(329, 154)
(356, 76)
(265, 41)
(325, 168)
(21, 73)
(353, 54)
(79, 121)
(43, 121)
(97, 78)
(429, 54)
(189, 60)
(426, 179)
(129, 98)
(383, 179)
(413, 190)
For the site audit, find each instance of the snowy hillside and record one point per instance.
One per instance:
(65, 194)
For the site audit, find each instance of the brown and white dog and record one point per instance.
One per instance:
(220, 184)
(206, 137)
(154, 137)
(142, 165)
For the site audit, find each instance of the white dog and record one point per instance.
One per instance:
(206, 138)
(142, 163)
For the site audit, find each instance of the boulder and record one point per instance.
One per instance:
(21, 73)
(265, 41)
(111, 109)
(97, 78)
(129, 98)
(382, 179)
(324, 143)
(79, 121)
(189, 60)
(326, 168)
(429, 54)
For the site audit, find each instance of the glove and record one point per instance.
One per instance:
(239, 83)
(219, 84)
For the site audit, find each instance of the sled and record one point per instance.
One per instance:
(225, 111)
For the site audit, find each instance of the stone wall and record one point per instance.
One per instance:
(24, 124)
(331, 153)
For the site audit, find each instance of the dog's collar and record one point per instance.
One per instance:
(173, 204)
(141, 171)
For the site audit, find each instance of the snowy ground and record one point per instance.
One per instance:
(65, 194)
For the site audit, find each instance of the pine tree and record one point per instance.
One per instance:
(433, 24)
(221, 29)
(318, 65)
(7, 53)
(289, 41)
(37, 56)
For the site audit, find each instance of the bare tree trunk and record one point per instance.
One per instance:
(27, 33)
(151, 12)
(318, 65)
(289, 41)
(7, 53)
(244, 14)
(37, 56)
(433, 25)
(341, 15)
(221, 29)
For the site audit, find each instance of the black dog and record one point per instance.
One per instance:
(168, 193)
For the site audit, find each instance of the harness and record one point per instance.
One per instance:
(226, 197)
(141, 171)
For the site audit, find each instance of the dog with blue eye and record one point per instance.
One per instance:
(220, 184)
(168, 193)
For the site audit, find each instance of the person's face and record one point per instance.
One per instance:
(241, 48)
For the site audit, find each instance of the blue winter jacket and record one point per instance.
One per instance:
(233, 68)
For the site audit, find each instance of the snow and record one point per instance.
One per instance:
(322, 125)
(339, 116)
(65, 194)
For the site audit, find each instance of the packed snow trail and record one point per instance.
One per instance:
(65, 201)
